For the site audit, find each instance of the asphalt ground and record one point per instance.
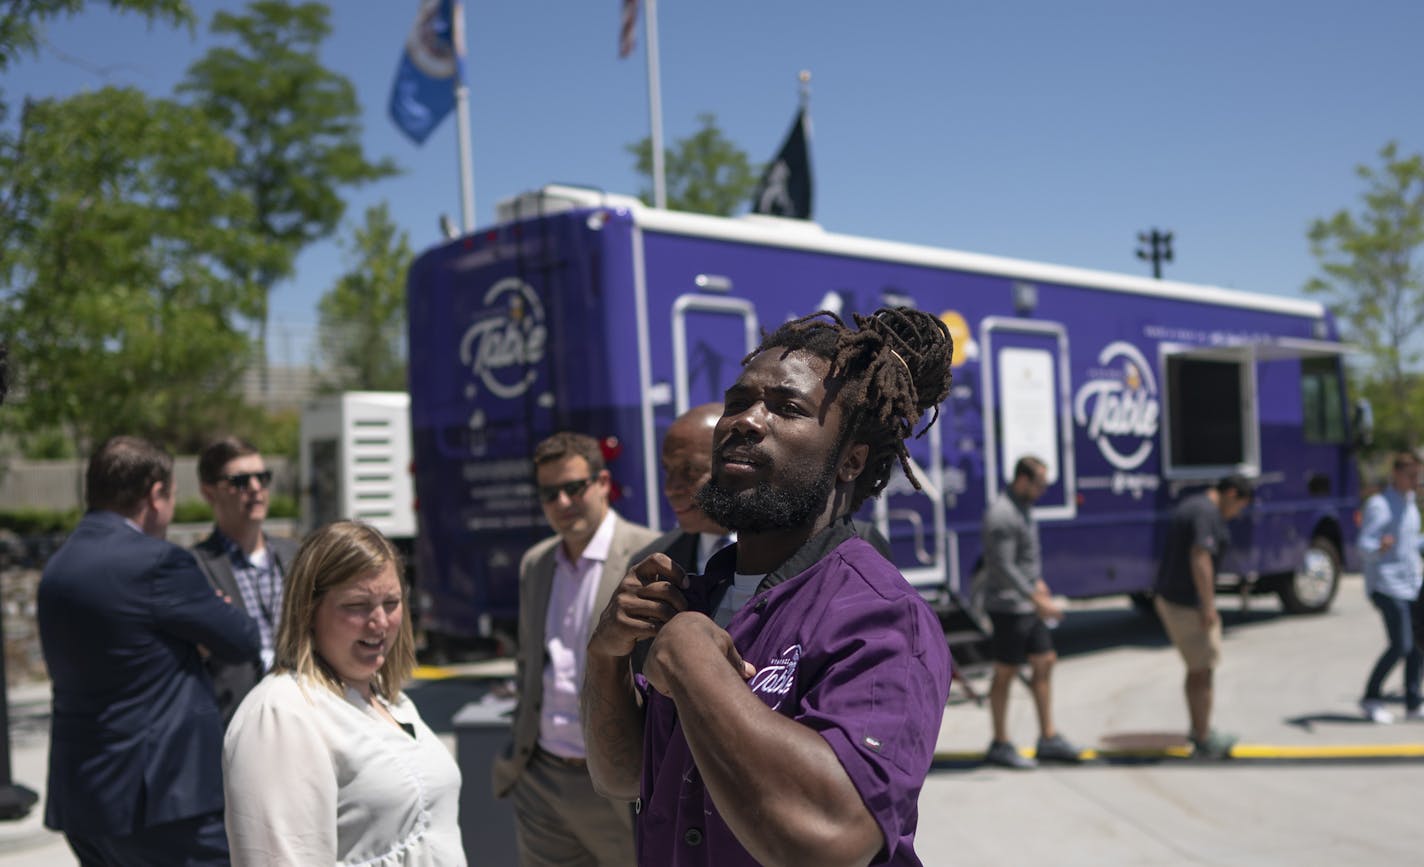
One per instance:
(1310, 782)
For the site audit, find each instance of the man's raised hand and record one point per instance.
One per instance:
(647, 597)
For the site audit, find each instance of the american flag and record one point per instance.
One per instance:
(628, 31)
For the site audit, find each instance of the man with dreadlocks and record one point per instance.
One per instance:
(798, 731)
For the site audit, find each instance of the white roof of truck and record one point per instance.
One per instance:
(806, 235)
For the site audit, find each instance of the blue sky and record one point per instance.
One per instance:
(1036, 129)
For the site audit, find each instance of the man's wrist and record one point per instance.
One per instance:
(607, 662)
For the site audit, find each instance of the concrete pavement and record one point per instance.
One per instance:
(1287, 685)
(26, 842)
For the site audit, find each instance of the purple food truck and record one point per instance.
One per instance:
(588, 311)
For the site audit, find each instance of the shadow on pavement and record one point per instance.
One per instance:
(1308, 721)
(1090, 631)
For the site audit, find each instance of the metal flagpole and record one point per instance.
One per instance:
(467, 174)
(462, 124)
(655, 107)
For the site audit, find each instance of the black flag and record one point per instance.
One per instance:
(785, 188)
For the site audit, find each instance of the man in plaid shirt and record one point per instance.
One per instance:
(243, 562)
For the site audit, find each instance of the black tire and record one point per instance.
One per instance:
(1311, 588)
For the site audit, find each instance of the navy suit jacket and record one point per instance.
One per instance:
(677, 543)
(135, 735)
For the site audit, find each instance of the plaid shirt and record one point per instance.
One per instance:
(261, 590)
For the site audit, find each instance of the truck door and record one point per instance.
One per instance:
(710, 337)
(1025, 381)
(914, 521)
(1210, 424)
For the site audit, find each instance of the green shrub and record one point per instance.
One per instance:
(192, 512)
(33, 522)
(282, 506)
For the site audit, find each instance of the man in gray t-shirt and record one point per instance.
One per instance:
(1022, 610)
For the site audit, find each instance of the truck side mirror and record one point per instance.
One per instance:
(1362, 424)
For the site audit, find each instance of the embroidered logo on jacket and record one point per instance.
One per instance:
(775, 679)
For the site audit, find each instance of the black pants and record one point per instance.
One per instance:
(197, 842)
(1417, 612)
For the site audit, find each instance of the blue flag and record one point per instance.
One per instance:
(431, 66)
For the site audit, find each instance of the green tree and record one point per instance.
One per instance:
(119, 290)
(21, 22)
(1371, 277)
(296, 125)
(706, 173)
(362, 330)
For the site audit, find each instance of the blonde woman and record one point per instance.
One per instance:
(327, 761)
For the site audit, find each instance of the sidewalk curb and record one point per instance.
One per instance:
(1254, 755)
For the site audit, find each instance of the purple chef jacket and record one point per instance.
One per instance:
(842, 644)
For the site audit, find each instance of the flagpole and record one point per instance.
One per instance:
(655, 106)
(805, 78)
(462, 125)
(462, 138)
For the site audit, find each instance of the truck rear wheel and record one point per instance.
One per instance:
(1311, 588)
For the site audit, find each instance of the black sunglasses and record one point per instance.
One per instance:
(240, 481)
(573, 490)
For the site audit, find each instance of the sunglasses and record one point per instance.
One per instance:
(240, 481)
(572, 490)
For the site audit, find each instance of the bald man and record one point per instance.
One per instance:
(687, 464)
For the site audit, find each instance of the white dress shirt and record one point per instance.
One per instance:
(567, 623)
(709, 544)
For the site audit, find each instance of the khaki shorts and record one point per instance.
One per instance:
(1200, 647)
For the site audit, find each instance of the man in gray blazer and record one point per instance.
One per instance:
(564, 582)
(239, 558)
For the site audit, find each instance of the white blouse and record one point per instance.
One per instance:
(312, 778)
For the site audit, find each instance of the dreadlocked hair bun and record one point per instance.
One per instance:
(920, 345)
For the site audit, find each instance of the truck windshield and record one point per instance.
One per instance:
(1321, 400)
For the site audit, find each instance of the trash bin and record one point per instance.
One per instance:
(486, 822)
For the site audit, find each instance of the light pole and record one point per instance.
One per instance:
(15, 799)
(1158, 249)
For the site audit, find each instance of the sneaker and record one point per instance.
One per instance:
(1414, 713)
(1216, 745)
(1057, 749)
(1375, 711)
(1006, 755)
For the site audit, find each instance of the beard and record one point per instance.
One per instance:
(791, 502)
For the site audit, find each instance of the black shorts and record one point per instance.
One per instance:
(1017, 637)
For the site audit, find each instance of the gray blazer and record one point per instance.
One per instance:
(536, 581)
(232, 681)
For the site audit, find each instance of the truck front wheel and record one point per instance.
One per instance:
(1311, 588)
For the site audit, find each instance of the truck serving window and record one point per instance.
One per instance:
(1205, 409)
(1324, 410)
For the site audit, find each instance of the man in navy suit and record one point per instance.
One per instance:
(135, 764)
